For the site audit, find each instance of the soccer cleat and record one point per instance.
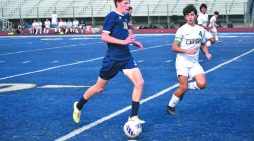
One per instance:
(76, 113)
(135, 118)
(171, 110)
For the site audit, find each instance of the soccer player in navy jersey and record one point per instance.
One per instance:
(118, 58)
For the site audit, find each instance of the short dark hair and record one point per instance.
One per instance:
(115, 1)
(216, 13)
(202, 5)
(130, 8)
(188, 9)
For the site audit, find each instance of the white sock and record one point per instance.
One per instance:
(193, 85)
(208, 43)
(174, 100)
(216, 38)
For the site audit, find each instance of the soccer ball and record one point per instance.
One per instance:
(132, 129)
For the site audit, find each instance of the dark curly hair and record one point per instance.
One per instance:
(188, 9)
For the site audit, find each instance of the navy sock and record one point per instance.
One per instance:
(134, 109)
(81, 103)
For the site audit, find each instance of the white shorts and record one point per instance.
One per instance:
(189, 71)
(208, 35)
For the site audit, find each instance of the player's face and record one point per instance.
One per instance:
(203, 10)
(190, 18)
(123, 6)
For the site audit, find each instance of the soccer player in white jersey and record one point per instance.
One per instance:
(54, 21)
(34, 27)
(189, 39)
(47, 26)
(214, 25)
(68, 26)
(39, 27)
(75, 25)
(203, 21)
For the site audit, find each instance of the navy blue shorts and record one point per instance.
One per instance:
(111, 67)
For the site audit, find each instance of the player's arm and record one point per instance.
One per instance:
(109, 39)
(135, 43)
(206, 27)
(200, 24)
(130, 32)
(204, 49)
(176, 47)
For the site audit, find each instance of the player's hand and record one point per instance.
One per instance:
(209, 56)
(130, 24)
(191, 51)
(208, 28)
(129, 40)
(137, 44)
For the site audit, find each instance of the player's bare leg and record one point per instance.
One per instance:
(97, 88)
(178, 94)
(200, 80)
(136, 77)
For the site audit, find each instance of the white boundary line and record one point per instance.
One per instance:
(71, 64)
(86, 127)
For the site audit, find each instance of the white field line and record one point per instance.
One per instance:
(86, 127)
(71, 64)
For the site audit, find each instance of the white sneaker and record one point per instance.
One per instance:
(76, 113)
(135, 118)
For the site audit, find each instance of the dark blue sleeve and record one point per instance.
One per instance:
(109, 23)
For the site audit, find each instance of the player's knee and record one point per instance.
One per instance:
(201, 85)
(98, 89)
(212, 40)
(140, 84)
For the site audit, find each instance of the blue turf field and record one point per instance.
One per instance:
(221, 112)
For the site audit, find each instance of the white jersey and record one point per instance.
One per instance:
(75, 23)
(35, 25)
(60, 24)
(213, 22)
(47, 24)
(54, 19)
(69, 24)
(190, 37)
(39, 25)
(203, 19)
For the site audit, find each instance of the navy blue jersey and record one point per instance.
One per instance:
(117, 26)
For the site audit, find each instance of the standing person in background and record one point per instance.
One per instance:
(203, 21)
(54, 21)
(130, 24)
(47, 26)
(214, 25)
(118, 58)
(189, 39)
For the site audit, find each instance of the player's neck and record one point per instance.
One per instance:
(119, 11)
(191, 24)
